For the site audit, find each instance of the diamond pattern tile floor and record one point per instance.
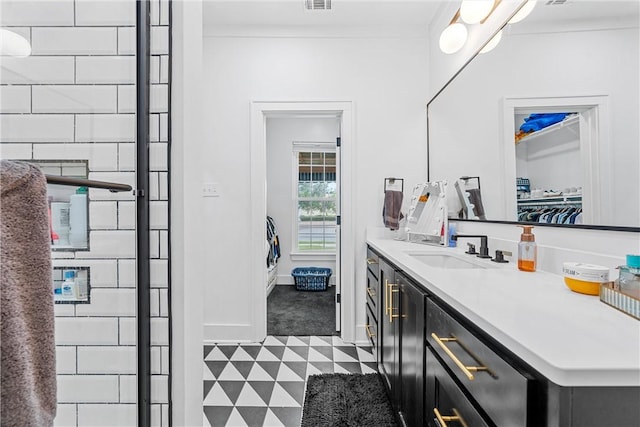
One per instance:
(264, 384)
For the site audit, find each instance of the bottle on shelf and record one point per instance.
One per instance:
(69, 285)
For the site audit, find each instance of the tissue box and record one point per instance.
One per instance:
(620, 301)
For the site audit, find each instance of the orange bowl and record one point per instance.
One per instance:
(582, 286)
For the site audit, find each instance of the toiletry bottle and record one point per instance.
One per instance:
(527, 250)
(78, 218)
(69, 285)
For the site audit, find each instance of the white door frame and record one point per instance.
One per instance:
(259, 113)
(594, 149)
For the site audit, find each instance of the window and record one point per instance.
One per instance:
(315, 197)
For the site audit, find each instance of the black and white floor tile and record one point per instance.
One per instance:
(264, 384)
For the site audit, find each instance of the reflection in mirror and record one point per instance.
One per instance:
(581, 166)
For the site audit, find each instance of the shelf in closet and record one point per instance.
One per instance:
(554, 200)
(568, 123)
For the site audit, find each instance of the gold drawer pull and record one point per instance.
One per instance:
(442, 419)
(369, 333)
(386, 298)
(466, 369)
(371, 261)
(371, 292)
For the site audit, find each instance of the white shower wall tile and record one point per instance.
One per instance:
(127, 331)
(126, 215)
(97, 415)
(105, 69)
(159, 40)
(158, 215)
(16, 151)
(106, 302)
(15, 99)
(159, 96)
(154, 186)
(107, 360)
(41, 69)
(126, 41)
(128, 388)
(37, 13)
(154, 245)
(159, 331)
(126, 273)
(103, 215)
(164, 244)
(74, 41)
(101, 157)
(126, 99)
(164, 303)
(154, 303)
(65, 415)
(154, 71)
(65, 359)
(88, 388)
(154, 127)
(111, 244)
(164, 12)
(97, 13)
(156, 367)
(159, 388)
(74, 99)
(166, 363)
(105, 128)
(159, 273)
(158, 160)
(37, 127)
(86, 331)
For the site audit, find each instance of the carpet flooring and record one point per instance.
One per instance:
(292, 312)
(347, 400)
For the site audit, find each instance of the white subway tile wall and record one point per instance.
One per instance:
(74, 99)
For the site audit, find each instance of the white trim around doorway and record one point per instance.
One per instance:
(260, 111)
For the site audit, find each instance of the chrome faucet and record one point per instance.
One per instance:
(484, 248)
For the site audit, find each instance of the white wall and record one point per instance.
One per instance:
(385, 78)
(281, 133)
(466, 128)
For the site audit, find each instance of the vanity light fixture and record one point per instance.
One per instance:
(492, 43)
(523, 12)
(453, 37)
(13, 44)
(474, 11)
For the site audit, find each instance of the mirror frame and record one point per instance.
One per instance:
(567, 226)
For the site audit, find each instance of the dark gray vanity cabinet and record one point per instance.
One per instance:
(389, 331)
(401, 331)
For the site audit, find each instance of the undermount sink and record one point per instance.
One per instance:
(444, 261)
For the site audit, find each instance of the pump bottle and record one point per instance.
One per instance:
(527, 250)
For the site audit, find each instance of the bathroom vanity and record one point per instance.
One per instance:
(465, 341)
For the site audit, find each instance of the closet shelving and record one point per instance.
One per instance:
(570, 123)
(552, 201)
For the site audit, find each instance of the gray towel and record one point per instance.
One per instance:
(476, 200)
(27, 317)
(391, 209)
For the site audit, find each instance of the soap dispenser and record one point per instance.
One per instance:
(527, 250)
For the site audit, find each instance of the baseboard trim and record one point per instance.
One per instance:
(238, 333)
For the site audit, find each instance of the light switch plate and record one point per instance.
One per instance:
(211, 189)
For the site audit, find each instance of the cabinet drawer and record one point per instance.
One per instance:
(372, 262)
(373, 287)
(444, 399)
(497, 386)
(372, 329)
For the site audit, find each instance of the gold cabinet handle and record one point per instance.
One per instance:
(369, 333)
(465, 369)
(391, 307)
(442, 419)
(371, 261)
(386, 298)
(371, 292)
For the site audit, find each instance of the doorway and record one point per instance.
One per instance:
(575, 149)
(343, 273)
(303, 195)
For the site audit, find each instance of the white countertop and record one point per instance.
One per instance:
(570, 338)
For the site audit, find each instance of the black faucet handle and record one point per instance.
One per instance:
(500, 256)
(472, 249)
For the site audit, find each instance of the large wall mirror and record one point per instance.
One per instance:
(545, 127)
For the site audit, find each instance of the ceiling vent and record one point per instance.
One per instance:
(557, 2)
(317, 4)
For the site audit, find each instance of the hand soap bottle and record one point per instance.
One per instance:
(527, 250)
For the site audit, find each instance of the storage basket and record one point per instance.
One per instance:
(311, 278)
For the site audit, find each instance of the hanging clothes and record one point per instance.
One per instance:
(273, 242)
(28, 367)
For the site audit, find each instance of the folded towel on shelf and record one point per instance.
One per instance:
(28, 367)
(391, 214)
